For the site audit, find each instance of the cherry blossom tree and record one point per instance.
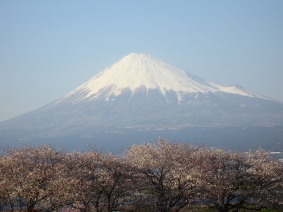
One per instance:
(115, 180)
(233, 181)
(266, 182)
(63, 188)
(87, 196)
(7, 182)
(33, 174)
(165, 174)
(223, 178)
(101, 180)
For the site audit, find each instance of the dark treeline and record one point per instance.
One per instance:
(161, 177)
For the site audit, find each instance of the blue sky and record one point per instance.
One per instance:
(48, 48)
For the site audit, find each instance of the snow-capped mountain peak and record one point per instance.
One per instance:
(137, 71)
(140, 98)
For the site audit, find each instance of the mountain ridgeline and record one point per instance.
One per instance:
(141, 98)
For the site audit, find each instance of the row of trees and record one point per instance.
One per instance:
(160, 177)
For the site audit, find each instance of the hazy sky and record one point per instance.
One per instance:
(48, 48)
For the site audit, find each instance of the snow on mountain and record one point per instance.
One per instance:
(137, 71)
(236, 89)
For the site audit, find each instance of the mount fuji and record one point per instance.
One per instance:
(140, 98)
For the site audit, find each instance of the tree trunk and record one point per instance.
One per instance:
(11, 205)
(221, 208)
(97, 205)
(30, 207)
